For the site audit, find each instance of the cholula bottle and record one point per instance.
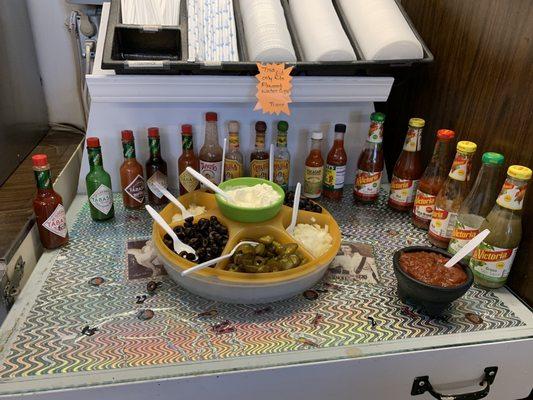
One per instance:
(408, 169)
(451, 196)
(370, 163)
(98, 183)
(493, 258)
(48, 206)
(478, 203)
(156, 169)
(432, 179)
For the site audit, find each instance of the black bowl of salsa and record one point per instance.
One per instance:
(424, 281)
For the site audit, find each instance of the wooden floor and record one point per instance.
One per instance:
(16, 194)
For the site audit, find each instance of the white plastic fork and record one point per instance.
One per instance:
(184, 213)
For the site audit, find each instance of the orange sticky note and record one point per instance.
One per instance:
(274, 88)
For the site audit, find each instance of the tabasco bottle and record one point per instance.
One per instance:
(156, 169)
(451, 196)
(233, 164)
(478, 203)
(259, 159)
(370, 162)
(408, 169)
(314, 168)
(131, 174)
(187, 182)
(335, 169)
(432, 179)
(48, 206)
(98, 183)
(211, 152)
(493, 258)
(282, 157)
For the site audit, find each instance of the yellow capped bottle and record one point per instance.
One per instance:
(451, 196)
(493, 258)
(233, 163)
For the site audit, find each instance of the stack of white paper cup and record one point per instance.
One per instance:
(320, 31)
(381, 30)
(266, 33)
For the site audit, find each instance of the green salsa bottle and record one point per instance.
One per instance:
(98, 184)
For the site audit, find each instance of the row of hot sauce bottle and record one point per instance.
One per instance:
(439, 200)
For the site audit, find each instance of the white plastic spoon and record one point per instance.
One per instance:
(207, 183)
(223, 160)
(271, 164)
(295, 206)
(471, 245)
(184, 213)
(179, 246)
(215, 260)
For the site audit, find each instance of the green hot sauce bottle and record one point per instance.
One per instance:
(98, 183)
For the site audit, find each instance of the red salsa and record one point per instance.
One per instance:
(428, 267)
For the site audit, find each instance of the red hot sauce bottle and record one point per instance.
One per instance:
(156, 169)
(131, 174)
(48, 206)
(408, 169)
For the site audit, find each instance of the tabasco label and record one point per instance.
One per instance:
(334, 176)
(442, 223)
(367, 184)
(424, 205)
(211, 170)
(492, 263)
(259, 169)
(232, 169)
(460, 167)
(281, 172)
(102, 199)
(313, 181)
(188, 182)
(461, 235)
(57, 222)
(511, 195)
(402, 191)
(157, 177)
(136, 189)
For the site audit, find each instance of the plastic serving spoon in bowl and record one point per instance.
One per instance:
(179, 246)
(471, 245)
(215, 260)
(207, 183)
(295, 206)
(184, 213)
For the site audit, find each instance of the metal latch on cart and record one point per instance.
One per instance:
(11, 288)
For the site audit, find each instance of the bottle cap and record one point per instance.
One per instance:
(340, 128)
(283, 126)
(153, 132)
(211, 116)
(417, 122)
(93, 142)
(39, 160)
(186, 129)
(260, 126)
(464, 146)
(380, 117)
(492, 158)
(127, 135)
(445, 134)
(317, 135)
(519, 172)
(233, 126)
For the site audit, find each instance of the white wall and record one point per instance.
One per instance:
(56, 60)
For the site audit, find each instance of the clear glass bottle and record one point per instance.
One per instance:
(451, 196)
(493, 258)
(432, 179)
(282, 157)
(234, 161)
(314, 168)
(98, 183)
(478, 203)
(211, 153)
